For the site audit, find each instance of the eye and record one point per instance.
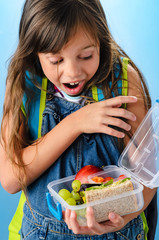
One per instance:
(56, 62)
(87, 57)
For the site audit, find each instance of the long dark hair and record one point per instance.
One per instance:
(46, 26)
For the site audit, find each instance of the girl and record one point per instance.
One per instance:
(65, 59)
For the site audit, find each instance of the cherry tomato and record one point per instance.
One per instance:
(107, 179)
(121, 177)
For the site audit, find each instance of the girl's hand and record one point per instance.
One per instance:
(99, 117)
(115, 223)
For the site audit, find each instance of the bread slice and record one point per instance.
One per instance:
(121, 205)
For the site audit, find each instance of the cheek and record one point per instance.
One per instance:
(50, 72)
(53, 78)
(92, 68)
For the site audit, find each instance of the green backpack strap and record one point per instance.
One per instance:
(125, 76)
(16, 222)
(145, 225)
(42, 104)
(96, 94)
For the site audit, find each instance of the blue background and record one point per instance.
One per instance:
(134, 25)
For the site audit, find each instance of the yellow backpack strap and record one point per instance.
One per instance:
(125, 77)
(16, 223)
(42, 104)
(145, 226)
(95, 93)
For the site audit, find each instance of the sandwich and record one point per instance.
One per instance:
(105, 195)
(110, 197)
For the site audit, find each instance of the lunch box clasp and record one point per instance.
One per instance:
(56, 213)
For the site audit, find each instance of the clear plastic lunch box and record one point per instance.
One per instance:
(139, 161)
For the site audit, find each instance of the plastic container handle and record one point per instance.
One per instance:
(57, 214)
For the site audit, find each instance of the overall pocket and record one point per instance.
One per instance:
(30, 230)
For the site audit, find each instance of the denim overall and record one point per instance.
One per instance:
(96, 149)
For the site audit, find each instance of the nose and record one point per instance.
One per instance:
(72, 69)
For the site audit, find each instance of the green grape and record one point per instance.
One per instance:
(71, 201)
(76, 184)
(82, 193)
(75, 195)
(65, 194)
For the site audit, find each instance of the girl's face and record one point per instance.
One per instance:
(72, 67)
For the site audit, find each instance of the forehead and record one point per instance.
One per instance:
(76, 36)
(81, 39)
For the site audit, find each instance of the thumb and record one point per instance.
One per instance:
(116, 219)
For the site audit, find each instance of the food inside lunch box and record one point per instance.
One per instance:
(111, 194)
(79, 194)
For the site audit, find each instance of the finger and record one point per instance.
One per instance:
(112, 132)
(120, 112)
(74, 223)
(120, 100)
(115, 223)
(94, 226)
(118, 105)
(67, 217)
(116, 220)
(76, 228)
(117, 122)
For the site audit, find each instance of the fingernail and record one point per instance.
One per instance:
(72, 214)
(122, 135)
(134, 118)
(135, 98)
(129, 127)
(112, 216)
(67, 211)
(89, 210)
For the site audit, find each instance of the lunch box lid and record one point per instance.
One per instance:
(141, 155)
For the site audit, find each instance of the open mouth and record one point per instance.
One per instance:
(74, 88)
(72, 85)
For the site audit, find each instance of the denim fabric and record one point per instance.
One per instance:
(37, 227)
(95, 149)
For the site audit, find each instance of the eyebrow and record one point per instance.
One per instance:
(88, 46)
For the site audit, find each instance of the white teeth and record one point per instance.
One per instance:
(76, 83)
